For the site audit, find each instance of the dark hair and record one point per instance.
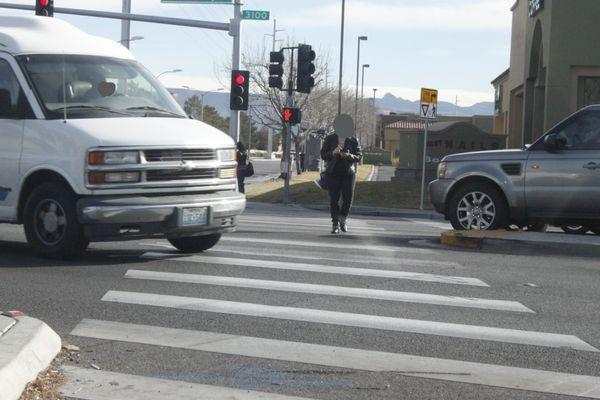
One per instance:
(240, 146)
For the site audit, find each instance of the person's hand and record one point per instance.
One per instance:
(337, 151)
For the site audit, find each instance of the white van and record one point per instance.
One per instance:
(93, 148)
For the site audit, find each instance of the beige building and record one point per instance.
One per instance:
(554, 67)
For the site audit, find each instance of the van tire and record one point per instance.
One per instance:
(195, 244)
(59, 235)
(492, 193)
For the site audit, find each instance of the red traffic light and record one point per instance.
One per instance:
(240, 80)
(44, 3)
(287, 114)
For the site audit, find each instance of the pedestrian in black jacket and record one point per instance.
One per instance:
(242, 165)
(342, 153)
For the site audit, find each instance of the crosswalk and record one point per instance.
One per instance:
(248, 259)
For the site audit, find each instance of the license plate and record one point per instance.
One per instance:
(194, 216)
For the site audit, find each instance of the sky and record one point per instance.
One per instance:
(456, 46)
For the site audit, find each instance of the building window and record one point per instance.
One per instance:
(498, 99)
(589, 91)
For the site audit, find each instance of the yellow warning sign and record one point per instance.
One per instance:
(429, 103)
(429, 96)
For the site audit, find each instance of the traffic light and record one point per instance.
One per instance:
(292, 115)
(306, 68)
(44, 8)
(240, 90)
(276, 69)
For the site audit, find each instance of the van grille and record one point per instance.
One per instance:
(175, 175)
(176, 155)
(512, 169)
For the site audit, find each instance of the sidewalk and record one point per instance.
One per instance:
(27, 347)
(502, 241)
(384, 212)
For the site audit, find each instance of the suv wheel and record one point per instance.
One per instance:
(575, 229)
(50, 222)
(195, 244)
(478, 206)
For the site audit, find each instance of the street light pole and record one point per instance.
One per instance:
(341, 57)
(173, 71)
(362, 93)
(126, 24)
(360, 39)
(375, 115)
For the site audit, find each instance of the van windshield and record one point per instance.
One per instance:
(97, 87)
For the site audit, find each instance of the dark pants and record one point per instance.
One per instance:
(341, 186)
(241, 176)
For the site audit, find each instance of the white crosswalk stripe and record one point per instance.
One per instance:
(330, 245)
(372, 294)
(358, 259)
(352, 320)
(87, 384)
(368, 272)
(356, 359)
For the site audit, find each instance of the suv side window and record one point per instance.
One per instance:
(583, 132)
(13, 103)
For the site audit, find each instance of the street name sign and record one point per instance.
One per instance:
(429, 103)
(197, 1)
(256, 15)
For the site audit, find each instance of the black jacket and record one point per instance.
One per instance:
(350, 144)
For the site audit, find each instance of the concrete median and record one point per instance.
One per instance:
(27, 347)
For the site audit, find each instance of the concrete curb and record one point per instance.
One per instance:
(525, 242)
(372, 173)
(25, 350)
(383, 212)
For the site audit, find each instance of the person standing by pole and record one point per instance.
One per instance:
(242, 160)
(341, 151)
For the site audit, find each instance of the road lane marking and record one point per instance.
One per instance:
(342, 357)
(88, 384)
(282, 221)
(399, 262)
(353, 320)
(331, 245)
(326, 269)
(328, 290)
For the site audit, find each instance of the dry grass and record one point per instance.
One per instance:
(47, 384)
(368, 194)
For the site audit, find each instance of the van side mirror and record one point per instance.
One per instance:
(553, 142)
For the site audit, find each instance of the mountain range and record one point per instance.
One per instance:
(389, 103)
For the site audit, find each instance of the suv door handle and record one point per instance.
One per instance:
(591, 165)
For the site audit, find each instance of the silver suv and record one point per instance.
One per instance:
(554, 181)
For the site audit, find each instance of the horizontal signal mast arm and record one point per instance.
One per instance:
(219, 26)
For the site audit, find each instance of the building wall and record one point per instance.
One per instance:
(514, 86)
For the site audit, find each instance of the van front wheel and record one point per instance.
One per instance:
(195, 244)
(50, 221)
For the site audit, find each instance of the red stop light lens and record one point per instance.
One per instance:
(44, 3)
(240, 80)
(287, 114)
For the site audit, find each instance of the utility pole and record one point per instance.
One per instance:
(126, 24)
(341, 58)
(274, 34)
(236, 32)
(360, 39)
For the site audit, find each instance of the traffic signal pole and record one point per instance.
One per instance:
(288, 135)
(236, 32)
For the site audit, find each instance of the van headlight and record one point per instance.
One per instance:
(226, 155)
(113, 157)
(442, 170)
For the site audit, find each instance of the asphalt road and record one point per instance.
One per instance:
(284, 308)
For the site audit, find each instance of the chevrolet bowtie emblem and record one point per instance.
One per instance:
(187, 166)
